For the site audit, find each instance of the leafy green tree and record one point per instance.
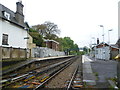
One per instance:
(37, 38)
(40, 28)
(32, 30)
(67, 45)
(48, 30)
(51, 28)
(85, 49)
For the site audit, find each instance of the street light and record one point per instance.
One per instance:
(94, 40)
(103, 31)
(103, 55)
(109, 35)
(95, 47)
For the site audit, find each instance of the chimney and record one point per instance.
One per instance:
(19, 13)
(97, 40)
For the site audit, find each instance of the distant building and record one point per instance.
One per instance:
(52, 44)
(105, 51)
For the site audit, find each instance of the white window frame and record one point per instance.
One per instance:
(7, 15)
(5, 39)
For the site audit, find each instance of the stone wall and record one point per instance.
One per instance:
(41, 52)
(14, 53)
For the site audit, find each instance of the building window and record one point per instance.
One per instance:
(5, 39)
(96, 51)
(7, 15)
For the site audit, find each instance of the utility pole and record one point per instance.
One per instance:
(95, 47)
(103, 55)
(103, 32)
(109, 36)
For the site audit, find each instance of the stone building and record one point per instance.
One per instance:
(52, 44)
(13, 32)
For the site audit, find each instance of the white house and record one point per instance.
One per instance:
(105, 51)
(13, 30)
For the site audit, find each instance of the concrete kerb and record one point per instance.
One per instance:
(30, 61)
(88, 76)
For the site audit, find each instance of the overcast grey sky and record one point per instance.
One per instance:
(78, 19)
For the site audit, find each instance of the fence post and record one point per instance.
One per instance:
(0, 52)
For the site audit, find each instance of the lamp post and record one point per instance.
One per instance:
(94, 39)
(109, 36)
(95, 47)
(103, 55)
(103, 31)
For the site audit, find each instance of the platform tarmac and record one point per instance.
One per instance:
(98, 72)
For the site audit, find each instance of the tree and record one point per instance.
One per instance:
(37, 38)
(48, 30)
(67, 45)
(40, 28)
(51, 28)
(86, 49)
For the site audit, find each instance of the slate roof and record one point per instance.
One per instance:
(12, 16)
(118, 43)
(112, 45)
(47, 40)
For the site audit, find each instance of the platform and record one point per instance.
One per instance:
(21, 64)
(88, 76)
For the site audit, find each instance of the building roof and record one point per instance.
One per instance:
(105, 44)
(12, 16)
(47, 40)
(118, 43)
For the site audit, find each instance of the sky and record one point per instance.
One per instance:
(77, 19)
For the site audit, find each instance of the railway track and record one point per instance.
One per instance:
(63, 78)
(52, 76)
(76, 81)
(20, 72)
(19, 76)
(38, 79)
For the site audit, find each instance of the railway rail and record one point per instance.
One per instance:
(18, 76)
(40, 64)
(37, 79)
(76, 81)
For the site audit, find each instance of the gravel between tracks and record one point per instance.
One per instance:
(61, 79)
